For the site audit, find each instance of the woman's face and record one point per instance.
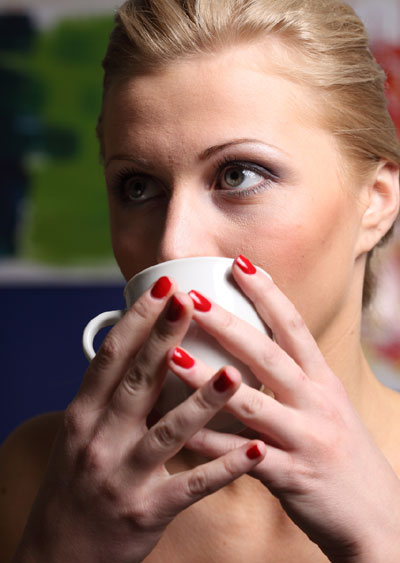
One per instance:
(219, 156)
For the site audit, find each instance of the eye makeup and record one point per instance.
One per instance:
(229, 178)
(243, 171)
(123, 186)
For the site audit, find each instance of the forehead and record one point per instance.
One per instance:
(230, 94)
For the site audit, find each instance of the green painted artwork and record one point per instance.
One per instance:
(52, 99)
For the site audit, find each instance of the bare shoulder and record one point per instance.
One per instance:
(23, 460)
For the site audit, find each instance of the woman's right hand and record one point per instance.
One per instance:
(107, 495)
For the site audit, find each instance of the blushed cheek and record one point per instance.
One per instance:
(285, 256)
(310, 262)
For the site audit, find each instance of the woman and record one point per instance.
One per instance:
(256, 130)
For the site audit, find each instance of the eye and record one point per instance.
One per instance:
(139, 188)
(243, 179)
(238, 176)
(136, 188)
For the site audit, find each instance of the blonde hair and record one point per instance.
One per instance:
(328, 51)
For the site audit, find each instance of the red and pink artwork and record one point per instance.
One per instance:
(382, 326)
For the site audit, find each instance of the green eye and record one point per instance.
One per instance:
(234, 176)
(238, 176)
(137, 189)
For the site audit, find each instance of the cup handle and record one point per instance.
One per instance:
(92, 328)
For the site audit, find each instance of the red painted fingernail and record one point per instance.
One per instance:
(253, 452)
(245, 265)
(199, 301)
(223, 382)
(161, 288)
(175, 310)
(182, 359)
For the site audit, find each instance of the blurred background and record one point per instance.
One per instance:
(56, 264)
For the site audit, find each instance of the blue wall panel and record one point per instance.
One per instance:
(42, 362)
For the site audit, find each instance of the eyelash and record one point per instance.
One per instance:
(230, 162)
(117, 185)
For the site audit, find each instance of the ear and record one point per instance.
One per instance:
(380, 206)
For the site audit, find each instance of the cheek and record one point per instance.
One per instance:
(134, 240)
(310, 260)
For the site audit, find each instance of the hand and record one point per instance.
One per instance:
(321, 462)
(107, 495)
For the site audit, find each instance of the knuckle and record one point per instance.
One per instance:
(324, 446)
(201, 402)
(74, 421)
(200, 440)
(129, 386)
(163, 331)
(165, 434)
(135, 377)
(141, 514)
(296, 474)
(253, 405)
(271, 354)
(295, 321)
(230, 467)
(133, 508)
(139, 309)
(198, 484)
(298, 379)
(109, 351)
(304, 473)
(110, 491)
(94, 457)
(333, 415)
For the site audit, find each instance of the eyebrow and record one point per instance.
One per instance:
(207, 153)
(217, 148)
(142, 162)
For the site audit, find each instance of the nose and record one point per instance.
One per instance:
(189, 228)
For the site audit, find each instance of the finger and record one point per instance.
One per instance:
(273, 470)
(287, 325)
(142, 381)
(256, 409)
(212, 444)
(122, 342)
(268, 362)
(167, 437)
(184, 489)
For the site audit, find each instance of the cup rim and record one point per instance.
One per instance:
(186, 259)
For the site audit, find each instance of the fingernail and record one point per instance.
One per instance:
(223, 382)
(161, 288)
(199, 301)
(253, 452)
(245, 265)
(182, 359)
(175, 310)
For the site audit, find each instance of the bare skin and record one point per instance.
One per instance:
(310, 229)
(252, 510)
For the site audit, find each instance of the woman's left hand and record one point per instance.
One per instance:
(321, 462)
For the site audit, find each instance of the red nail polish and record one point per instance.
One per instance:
(223, 383)
(182, 359)
(199, 301)
(253, 452)
(245, 265)
(161, 288)
(175, 310)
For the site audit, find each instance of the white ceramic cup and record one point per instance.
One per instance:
(212, 277)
